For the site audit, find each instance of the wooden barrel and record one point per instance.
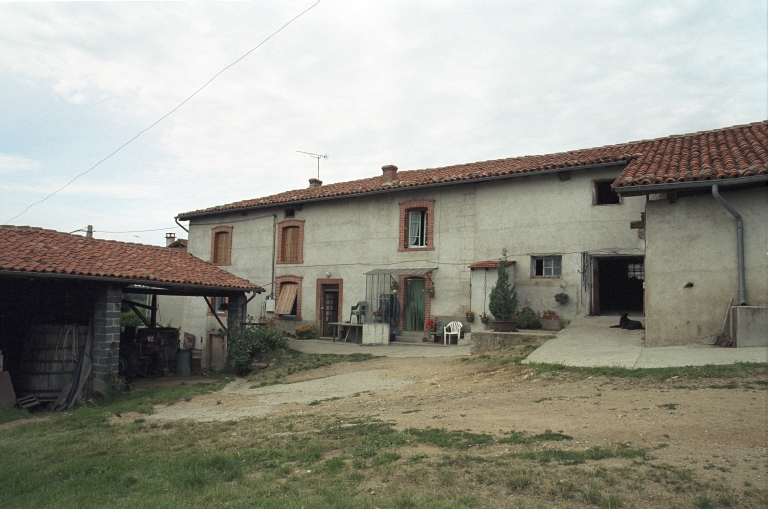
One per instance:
(49, 358)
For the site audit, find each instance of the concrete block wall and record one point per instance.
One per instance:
(106, 336)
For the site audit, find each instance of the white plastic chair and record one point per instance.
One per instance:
(452, 329)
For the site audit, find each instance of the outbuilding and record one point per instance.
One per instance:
(60, 301)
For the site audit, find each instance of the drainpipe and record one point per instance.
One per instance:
(740, 244)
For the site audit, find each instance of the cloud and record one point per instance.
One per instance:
(16, 164)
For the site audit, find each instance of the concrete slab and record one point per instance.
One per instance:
(391, 350)
(589, 341)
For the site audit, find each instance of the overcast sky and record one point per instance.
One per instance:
(369, 83)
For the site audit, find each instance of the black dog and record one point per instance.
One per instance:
(626, 323)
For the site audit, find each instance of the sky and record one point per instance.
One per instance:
(367, 83)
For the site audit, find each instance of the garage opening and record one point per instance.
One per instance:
(618, 284)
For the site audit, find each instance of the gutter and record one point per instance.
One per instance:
(187, 217)
(680, 186)
(145, 282)
(739, 244)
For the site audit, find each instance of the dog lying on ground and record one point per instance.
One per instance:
(626, 323)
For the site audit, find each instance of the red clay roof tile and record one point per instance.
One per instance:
(731, 152)
(488, 264)
(34, 250)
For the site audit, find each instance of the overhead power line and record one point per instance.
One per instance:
(167, 114)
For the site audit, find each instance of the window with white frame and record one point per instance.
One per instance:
(417, 228)
(547, 266)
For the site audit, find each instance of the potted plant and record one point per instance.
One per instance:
(503, 299)
(484, 318)
(430, 291)
(549, 320)
(470, 315)
(561, 298)
(394, 286)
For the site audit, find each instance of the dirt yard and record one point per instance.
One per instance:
(715, 427)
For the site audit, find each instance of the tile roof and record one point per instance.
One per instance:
(488, 264)
(25, 249)
(730, 153)
(726, 153)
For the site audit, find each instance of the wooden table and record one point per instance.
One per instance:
(342, 325)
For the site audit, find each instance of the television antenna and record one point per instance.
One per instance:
(316, 156)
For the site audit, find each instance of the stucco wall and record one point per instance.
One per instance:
(694, 241)
(473, 222)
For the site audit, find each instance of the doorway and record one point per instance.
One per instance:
(329, 299)
(414, 304)
(217, 351)
(618, 284)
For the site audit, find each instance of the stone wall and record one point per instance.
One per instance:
(106, 337)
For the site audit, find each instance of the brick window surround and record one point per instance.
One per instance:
(279, 282)
(413, 205)
(296, 248)
(222, 256)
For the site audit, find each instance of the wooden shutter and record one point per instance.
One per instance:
(221, 247)
(291, 244)
(286, 299)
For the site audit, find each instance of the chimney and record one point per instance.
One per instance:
(313, 182)
(89, 231)
(170, 238)
(390, 172)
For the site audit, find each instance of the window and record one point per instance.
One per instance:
(547, 266)
(416, 225)
(604, 195)
(221, 245)
(417, 228)
(220, 305)
(290, 247)
(291, 244)
(288, 305)
(636, 271)
(289, 213)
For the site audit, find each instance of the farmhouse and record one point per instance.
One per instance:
(640, 227)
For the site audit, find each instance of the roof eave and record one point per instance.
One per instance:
(125, 281)
(193, 215)
(682, 186)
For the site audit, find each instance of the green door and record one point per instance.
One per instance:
(414, 307)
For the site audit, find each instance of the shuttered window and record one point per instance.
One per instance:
(221, 247)
(286, 301)
(290, 244)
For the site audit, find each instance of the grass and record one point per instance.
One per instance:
(292, 361)
(82, 459)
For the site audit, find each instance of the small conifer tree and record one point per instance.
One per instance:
(503, 299)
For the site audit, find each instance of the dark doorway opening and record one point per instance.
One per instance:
(329, 309)
(618, 285)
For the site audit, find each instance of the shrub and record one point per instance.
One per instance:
(306, 332)
(255, 340)
(526, 319)
(503, 298)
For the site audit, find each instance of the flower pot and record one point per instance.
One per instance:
(504, 326)
(549, 323)
(470, 318)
